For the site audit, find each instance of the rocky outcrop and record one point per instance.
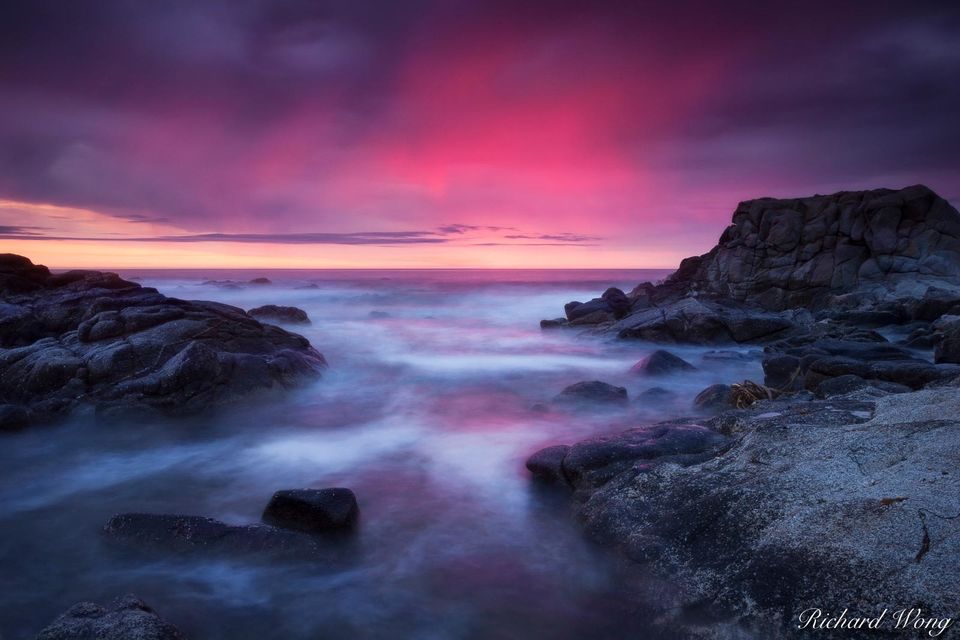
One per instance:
(87, 338)
(128, 618)
(782, 254)
(850, 503)
(864, 258)
(661, 363)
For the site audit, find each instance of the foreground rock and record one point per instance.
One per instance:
(275, 313)
(849, 503)
(87, 338)
(313, 510)
(128, 618)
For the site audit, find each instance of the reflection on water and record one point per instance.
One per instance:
(425, 413)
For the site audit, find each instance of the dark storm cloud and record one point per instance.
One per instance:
(192, 112)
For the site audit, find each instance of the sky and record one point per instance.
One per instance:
(452, 133)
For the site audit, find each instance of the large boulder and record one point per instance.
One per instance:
(91, 338)
(128, 618)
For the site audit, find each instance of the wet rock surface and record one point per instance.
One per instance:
(128, 618)
(661, 363)
(91, 339)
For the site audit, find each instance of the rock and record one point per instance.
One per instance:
(716, 397)
(380, 315)
(128, 618)
(594, 392)
(272, 312)
(313, 510)
(661, 363)
(594, 461)
(842, 385)
(180, 533)
(697, 321)
(947, 348)
(782, 372)
(556, 323)
(830, 504)
(13, 417)
(597, 307)
(724, 355)
(618, 301)
(656, 395)
(261, 281)
(90, 338)
(546, 465)
(794, 253)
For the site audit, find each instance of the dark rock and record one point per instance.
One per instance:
(91, 338)
(593, 462)
(729, 356)
(313, 510)
(716, 397)
(947, 348)
(842, 385)
(556, 323)
(597, 307)
(180, 533)
(593, 391)
(547, 464)
(379, 315)
(13, 417)
(618, 302)
(128, 618)
(272, 312)
(261, 281)
(661, 363)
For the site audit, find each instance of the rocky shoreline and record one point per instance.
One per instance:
(89, 340)
(835, 484)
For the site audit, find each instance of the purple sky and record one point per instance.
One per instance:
(453, 133)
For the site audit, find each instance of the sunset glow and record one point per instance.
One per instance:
(450, 135)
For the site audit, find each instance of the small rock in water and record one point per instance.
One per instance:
(593, 391)
(660, 363)
(313, 510)
(556, 323)
(129, 618)
(379, 314)
(547, 464)
(261, 281)
(291, 315)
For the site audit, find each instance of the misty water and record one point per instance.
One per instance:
(426, 413)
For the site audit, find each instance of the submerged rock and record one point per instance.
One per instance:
(272, 312)
(128, 618)
(593, 391)
(313, 510)
(90, 338)
(661, 363)
(180, 533)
